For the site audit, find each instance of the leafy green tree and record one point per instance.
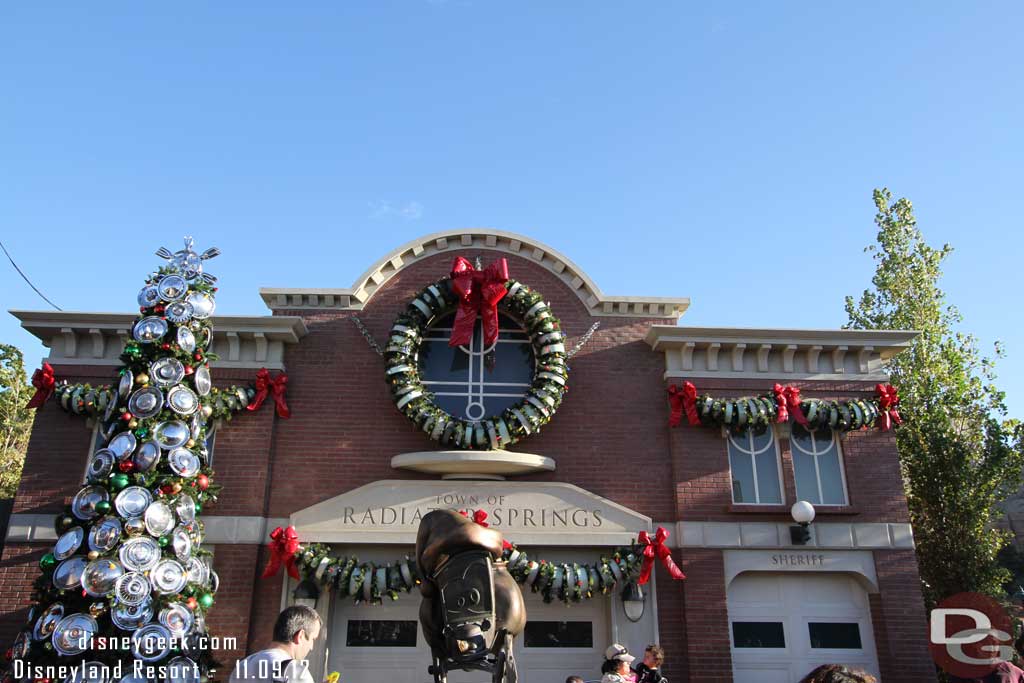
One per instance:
(959, 454)
(15, 420)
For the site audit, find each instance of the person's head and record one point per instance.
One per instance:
(573, 679)
(617, 660)
(836, 673)
(297, 626)
(654, 656)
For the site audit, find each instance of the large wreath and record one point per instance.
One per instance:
(526, 417)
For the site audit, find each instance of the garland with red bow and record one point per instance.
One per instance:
(276, 387)
(470, 292)
(783, 404)
(568, 582)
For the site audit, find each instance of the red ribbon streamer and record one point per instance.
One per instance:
(793, 398)
(44, 381)
(479, 291)
(888, 399)
(780, 402)
(657, 549)
(680, 400)
(275, 387)
(284, 544)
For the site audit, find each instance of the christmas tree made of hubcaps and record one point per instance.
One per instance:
(127, 585)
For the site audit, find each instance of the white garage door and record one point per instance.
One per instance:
(784, 625)
(373, 644)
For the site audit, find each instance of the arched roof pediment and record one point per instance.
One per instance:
(362, 290)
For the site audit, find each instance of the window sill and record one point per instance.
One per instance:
(746, 508)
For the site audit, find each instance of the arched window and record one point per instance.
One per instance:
(754, 464)
(818, 466)
(464, 381)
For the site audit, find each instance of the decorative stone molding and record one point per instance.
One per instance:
(97, 338)
(453, 241)
(217, 529)
(858, 355)
(473, 464)
(859, 563)
(877, 536)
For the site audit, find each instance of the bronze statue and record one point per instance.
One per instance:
(472, 609)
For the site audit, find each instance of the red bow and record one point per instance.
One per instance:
(780, 402)
(657, 548)
(44, 381)
(480, 517)
(793, 398)
(888, 399)
(283, 546)
(680, 400)
(276, 386)
(479, 291)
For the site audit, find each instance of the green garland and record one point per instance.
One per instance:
(412, 398)
(85, 399)
(371, 583)
(760, 412)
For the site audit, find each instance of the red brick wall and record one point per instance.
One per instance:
(709, 658)
(905, 623)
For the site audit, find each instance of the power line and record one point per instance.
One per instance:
(25, 278)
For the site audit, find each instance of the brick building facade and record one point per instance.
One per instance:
(753, 607)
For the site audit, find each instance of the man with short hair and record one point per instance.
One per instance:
(295, 631)
(649, 671)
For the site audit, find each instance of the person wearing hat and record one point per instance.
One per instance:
(616, 665)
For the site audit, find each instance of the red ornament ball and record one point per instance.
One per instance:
(167, 489)
(165, 346)
(198, 356)
(126, 416)
(126, 466)
(203, 482)
(191, 603)
(189, 370)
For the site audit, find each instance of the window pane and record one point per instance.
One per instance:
(742, 476)
(835, 636)
(760, 441)
(366, 633)
(806, 479)
(758, 634)
(768, 477)
(464, 384)
(831, 477)
(558, 634)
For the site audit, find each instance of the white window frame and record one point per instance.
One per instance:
(93, 447)
(814, 453)
(750, 452)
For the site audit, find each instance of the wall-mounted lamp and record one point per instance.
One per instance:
(803, 515)
(633, 601)
(306, 593)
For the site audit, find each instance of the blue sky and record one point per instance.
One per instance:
(726, 152)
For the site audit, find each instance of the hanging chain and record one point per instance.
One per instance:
(584, 339)
(369, 337)
(376, 347)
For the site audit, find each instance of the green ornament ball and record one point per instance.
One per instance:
(206, 600)
(103, 507)
(47, 561)
(118, 481)
(163, 541)
(199, 507)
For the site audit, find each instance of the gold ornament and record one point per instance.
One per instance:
(93, 554)
(142, 379)
(207, 411)
(176, 487)
(191, 443)
(134, 526)
(97, 608)
(133, 423)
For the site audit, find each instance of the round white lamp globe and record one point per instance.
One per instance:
(803, 512)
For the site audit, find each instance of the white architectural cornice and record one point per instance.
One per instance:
(454, 241)
(97, 338)
(693, 352)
